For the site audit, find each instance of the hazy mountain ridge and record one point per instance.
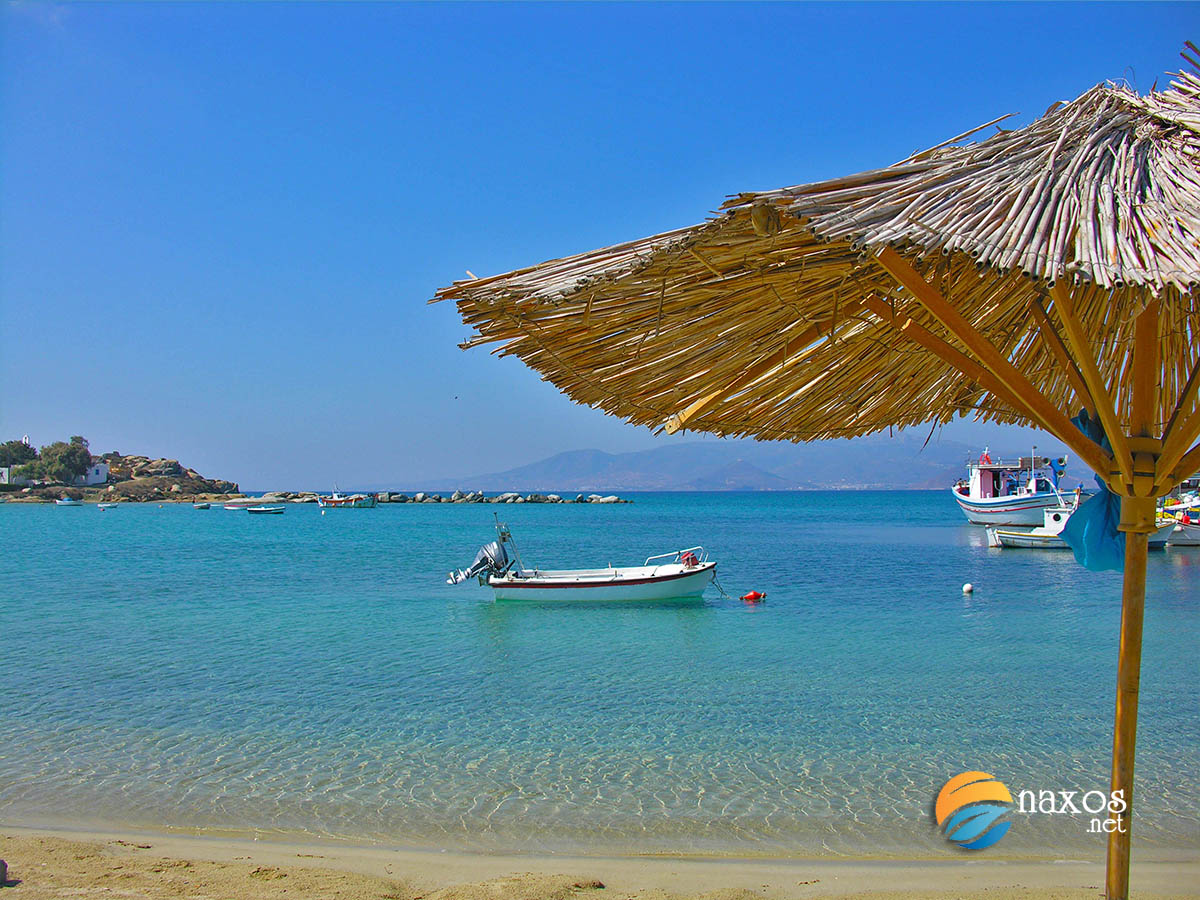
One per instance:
(876, 462)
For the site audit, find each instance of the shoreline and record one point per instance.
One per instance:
(242, 861)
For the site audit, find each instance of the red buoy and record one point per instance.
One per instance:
(754, 597)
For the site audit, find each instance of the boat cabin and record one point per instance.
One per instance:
(1006, 478)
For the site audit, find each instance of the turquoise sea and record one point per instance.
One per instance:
(312, 674)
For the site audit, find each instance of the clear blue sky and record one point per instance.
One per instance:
(219, 223)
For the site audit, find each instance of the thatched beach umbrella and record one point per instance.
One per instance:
(1021, 278)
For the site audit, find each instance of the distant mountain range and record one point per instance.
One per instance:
(875, 462)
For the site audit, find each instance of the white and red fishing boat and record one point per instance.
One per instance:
(667, 576)
(1010, 492)
(347, 501)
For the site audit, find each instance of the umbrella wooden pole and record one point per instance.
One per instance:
(1138, 520)
(1129, 664)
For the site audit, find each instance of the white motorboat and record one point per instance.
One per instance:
(667, 576)
(265, 510)
(67, 501)
(106, 505)
(1185, 535)
(1049, 535)
(1186, 522)
(1009, 492)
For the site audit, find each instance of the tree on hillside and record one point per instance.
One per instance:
(60, 461)
(14, 453)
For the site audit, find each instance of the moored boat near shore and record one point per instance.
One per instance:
(1048, 536)
(347, 501)
(1009, 492)
(668, 576)
(67, 501)
(1185, 535)
(266, 510)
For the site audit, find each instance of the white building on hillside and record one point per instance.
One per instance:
(97, 473)
(8, 476)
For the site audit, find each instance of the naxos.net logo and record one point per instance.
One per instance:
(969, 808)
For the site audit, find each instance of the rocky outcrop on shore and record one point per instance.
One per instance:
(137, 479)
(157, 473)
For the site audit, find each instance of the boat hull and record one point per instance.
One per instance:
(1026, 510)
(1185, 536)
(367, 502)
(1038, 539)
(613, 585)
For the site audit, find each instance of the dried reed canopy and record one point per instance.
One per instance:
(776, 319)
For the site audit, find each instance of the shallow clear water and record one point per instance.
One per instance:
(309, 673)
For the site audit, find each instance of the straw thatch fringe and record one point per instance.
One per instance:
(1103, 192)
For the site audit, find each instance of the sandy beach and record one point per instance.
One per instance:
(50, 864)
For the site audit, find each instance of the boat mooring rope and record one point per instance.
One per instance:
(717, 583)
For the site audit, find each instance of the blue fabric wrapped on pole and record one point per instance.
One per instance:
(1092, 532)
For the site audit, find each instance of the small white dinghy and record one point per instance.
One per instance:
(667, 576)
(1049, 535)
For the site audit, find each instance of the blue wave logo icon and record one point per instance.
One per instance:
(969, 807)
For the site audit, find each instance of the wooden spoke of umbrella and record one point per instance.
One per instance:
(1183, 428)
(1056, 346)
(1030, 397)
(1101, 400)
(960, 361)
(1184, 469)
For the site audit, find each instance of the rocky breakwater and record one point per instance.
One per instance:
(508, 497)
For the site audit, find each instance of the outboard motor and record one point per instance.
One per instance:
(491, 559)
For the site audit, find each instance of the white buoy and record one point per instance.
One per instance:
(322, 512)
(968, 588)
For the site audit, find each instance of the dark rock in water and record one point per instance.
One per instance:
(3, 873)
